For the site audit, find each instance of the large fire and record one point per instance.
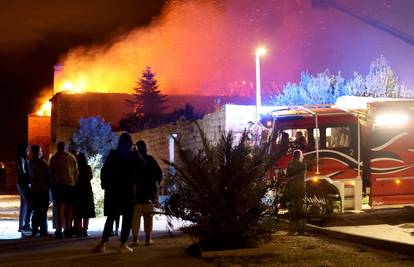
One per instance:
(194, 47)
(45, 109)
(174, 45)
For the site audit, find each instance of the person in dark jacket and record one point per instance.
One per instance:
(300, 141)
(39, 173)
(118, 179)
(148, 180)
(295, 191)
(23, 186)
(84, 205)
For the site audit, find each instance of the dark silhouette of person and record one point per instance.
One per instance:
(282, 157)
(148, 181)
(118, 179)
(84, 206)
(311, 143)
(64, 174)
(283, 145)
(39, 172)
(23, 186)
(295, 192)
(300, 141)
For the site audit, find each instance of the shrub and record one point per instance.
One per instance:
(95, 138)
(220, 190)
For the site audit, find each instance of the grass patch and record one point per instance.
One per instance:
(317, 251)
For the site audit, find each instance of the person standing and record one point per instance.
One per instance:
(23, 186)
(39, 172)
(296, 172)
(84, 207)
(118, 179)
(147, 187)
(64, 174)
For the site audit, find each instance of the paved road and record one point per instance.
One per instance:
(9, 212)
(166, 251)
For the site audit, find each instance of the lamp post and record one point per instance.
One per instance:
(259, 52)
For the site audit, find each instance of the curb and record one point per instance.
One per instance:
(395, 246)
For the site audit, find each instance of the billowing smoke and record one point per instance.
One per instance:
(183, 46)
(194, 47)
(207, 47)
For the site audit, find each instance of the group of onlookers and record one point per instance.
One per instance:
(129, 176)
(65, 181)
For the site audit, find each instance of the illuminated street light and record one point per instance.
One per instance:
(259, 52)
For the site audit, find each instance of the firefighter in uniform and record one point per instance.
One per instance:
(295, 191)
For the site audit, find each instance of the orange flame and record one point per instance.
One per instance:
(194, 47)
(43, 106)
(45, 109)
(173, 46)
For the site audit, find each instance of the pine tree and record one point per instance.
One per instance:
(147, 100)
(221, 190)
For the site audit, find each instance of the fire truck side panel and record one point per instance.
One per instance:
(392, 166)
(391, 154)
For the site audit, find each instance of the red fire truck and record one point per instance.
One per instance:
(362, 146)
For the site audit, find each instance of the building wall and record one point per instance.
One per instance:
(67, 109)
(8, 178)
(185, 132)
(158, 139)
(38, 132)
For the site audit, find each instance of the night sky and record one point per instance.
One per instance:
(195, 46)
(34, 34)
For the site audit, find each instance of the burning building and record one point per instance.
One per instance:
(58, 118)
(39, 132)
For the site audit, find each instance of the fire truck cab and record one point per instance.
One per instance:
(360, 145)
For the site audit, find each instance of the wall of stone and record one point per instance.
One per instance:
(158, 140)
(186, 133)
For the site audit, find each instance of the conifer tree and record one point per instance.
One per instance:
(147, 100)
(147, 104)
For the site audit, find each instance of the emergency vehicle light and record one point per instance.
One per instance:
(397, 181)
(392, 119)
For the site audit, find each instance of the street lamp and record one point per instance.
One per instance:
(259, 52)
